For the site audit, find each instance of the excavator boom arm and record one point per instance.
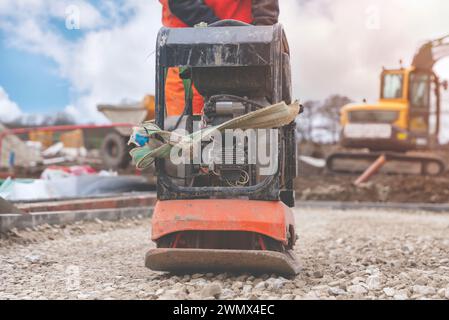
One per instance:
(430, 53)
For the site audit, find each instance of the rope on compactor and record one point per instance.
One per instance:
(152, 142)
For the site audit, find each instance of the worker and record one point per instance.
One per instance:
(188, 13)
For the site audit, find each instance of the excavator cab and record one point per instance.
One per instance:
(423, 98)
(383, 125)
(416, 90)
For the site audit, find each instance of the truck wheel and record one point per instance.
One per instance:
(115, 151)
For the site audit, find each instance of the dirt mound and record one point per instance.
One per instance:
(381, 188)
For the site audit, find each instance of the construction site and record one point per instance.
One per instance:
(223, 183)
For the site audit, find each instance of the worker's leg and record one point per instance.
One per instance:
(175, 95)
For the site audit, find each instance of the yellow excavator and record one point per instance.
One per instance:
(405, 121)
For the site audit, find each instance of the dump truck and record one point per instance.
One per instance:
(114, 148)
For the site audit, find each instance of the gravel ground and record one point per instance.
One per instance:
(345, 255)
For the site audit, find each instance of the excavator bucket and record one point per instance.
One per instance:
(206, 236)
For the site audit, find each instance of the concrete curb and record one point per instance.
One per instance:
(122, 201)
(430, 207)
(31, 220)
(23, 221)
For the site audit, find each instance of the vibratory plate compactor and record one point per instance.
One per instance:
(228, 216)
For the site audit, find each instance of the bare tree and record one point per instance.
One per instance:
(305, 121)
(60, 119)
(330, 110)
(320, 121)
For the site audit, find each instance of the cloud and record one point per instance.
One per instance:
(115, 64)
(337, 46)
(9, 110)
(110, 62)
(43, 10)
(341, 46)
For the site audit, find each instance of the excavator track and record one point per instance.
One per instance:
(397, 163)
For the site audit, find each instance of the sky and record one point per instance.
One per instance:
(70, 55)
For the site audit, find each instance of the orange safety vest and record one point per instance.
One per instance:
(240, 10)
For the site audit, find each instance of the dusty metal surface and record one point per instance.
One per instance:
(198, 260)
(270, 218)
